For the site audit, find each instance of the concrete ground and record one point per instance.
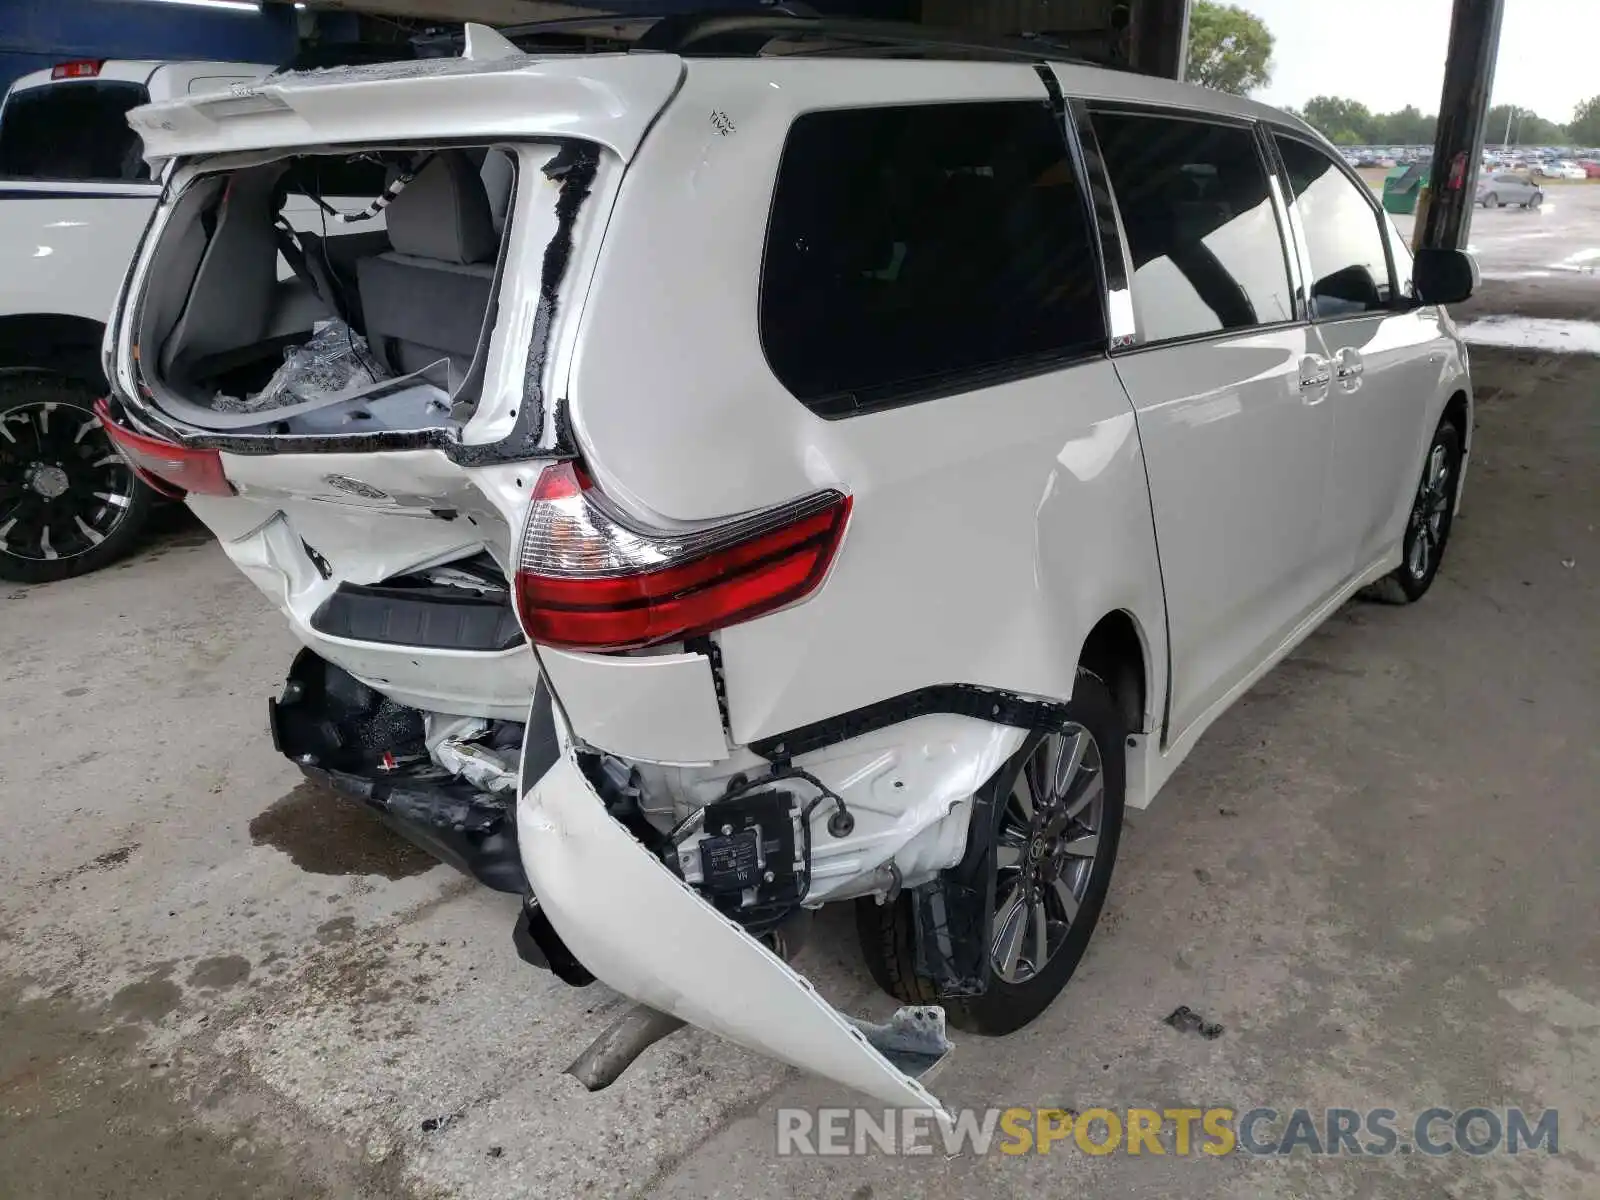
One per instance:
(1528, 247)
(1377, 872)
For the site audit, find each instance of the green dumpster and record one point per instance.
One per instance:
(1402, 186)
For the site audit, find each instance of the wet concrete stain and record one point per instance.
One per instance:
(225, 971)
(337, 930)
(76, 692)
(326, 834)
(112, 858)
(108, 861)
(86, 1115)
(150, 999)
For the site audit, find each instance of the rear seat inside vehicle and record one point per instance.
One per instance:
(425, 299)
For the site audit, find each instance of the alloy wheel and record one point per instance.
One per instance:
(63, 487)
(1046, 851)
(1426, 527)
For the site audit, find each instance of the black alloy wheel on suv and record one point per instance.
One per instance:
(69, 503)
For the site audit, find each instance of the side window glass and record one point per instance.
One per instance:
(1349, 269)
(914, 246)
(1208, 255)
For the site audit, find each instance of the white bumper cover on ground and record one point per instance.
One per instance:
(644, 932)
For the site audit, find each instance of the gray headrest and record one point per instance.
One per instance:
(444, 213)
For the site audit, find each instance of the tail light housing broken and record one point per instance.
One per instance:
(166, 465)
(591, 578)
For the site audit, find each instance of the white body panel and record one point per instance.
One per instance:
(1023, 485)
(1237, 452)
(661, 708)
(284, 506)
(65, 245)
(1382, 421)
(644, 932)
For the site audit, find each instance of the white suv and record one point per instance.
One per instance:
(75, 193)
(747, 480)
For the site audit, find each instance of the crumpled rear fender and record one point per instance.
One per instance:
(647, 934)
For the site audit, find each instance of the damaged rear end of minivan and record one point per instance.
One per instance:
(346, 342)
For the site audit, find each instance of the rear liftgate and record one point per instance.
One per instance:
(606, 901)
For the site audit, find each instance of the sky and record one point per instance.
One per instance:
(1390, 53)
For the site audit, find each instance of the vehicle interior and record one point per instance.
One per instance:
(285, 285)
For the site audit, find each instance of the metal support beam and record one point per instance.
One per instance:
(488, 12)
(1463, 108)
(1160, 37)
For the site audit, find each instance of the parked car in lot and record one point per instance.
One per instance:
(739, 483)
(1561, 169)
(1507, 187)
(75, 193)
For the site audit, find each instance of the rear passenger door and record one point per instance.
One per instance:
(1384, 375)
(1230, 390)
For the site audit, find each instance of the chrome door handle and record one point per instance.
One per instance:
(1313, 372)
(1350, 365)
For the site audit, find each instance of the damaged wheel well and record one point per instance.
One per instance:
(1114, 651)
(1455, 412)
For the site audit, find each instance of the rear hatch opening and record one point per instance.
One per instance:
(347, 291)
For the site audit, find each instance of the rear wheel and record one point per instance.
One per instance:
(1053, 851)
(1535, 200)
(69, 504)
(1490, 200)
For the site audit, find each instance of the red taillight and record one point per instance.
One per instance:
(176, 466)
(589, 578)
(83, 68)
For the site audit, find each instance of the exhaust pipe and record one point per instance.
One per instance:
(614, 1051)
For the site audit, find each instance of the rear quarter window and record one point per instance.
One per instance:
(74, 131)
(914, 250)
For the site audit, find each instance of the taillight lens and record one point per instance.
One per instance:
(83, 68)
(176, 466)
(589, 578)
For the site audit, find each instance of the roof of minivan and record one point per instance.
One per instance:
(1101, 83)
(375, 102)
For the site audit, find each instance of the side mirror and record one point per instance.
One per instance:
(1351, 290)
(1444, 276)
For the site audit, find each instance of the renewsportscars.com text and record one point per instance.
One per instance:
(1176, 1131)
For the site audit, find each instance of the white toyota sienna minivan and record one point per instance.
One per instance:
(783, 461)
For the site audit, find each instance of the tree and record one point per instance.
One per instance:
(1585, 127)
(1517, 126)
(1408, 127)
(1229, 49)
(1345, 122)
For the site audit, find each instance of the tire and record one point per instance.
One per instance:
(68, 503)
(888, 931)
(1432, 514)
(1490, 200)
(1536, 200)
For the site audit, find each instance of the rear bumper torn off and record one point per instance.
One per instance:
(645, 933)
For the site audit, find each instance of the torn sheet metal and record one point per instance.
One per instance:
(644, 932)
